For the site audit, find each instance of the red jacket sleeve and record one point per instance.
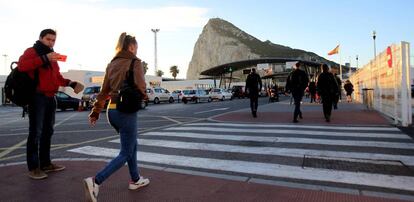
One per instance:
(29, 61)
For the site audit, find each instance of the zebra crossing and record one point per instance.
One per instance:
(364, 158)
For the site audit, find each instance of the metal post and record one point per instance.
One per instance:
(5, 63)
(155, 49)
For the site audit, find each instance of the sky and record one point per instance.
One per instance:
(87, 30)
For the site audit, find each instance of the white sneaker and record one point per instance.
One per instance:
(91, 189)
(142, 182)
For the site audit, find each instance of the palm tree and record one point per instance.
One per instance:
(160, 73)
(145, 66)
(174, 71)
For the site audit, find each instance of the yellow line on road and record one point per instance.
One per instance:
(12, 148)
(100, 139)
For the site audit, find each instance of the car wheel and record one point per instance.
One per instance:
(63, 109)
(156, 101)
(171, 100)
(184, 101)
(223, 98)
(209, 99)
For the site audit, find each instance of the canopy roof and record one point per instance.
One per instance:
(239, 65)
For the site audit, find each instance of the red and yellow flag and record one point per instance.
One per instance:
(334, 51)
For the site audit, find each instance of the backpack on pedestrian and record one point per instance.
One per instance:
(130, 99)
(20, 88)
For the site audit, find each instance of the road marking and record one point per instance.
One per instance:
(274, 170)
(284, 131)
(286, 152)
(293, 140)
(12, 148)
(71, 116)
(297, 126)
(212, 110)
(170, 119)
(99, 139)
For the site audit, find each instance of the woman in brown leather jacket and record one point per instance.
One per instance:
(124, 123)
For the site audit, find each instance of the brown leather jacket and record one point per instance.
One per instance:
(115, 74)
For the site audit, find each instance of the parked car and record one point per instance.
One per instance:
(195, 96)
(238, 91)
(157, 95)
(177, 95)
(221, 94)
(64, 101)
(89, 94)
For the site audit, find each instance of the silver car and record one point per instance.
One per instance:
(196, 96)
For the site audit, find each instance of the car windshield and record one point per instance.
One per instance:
(90, 90)
(188, 92)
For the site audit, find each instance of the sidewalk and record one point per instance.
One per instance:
(178, 185)
(282, 113)
(165, 186)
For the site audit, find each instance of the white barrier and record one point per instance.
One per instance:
(388, 74)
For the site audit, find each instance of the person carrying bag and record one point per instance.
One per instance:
(124, 83)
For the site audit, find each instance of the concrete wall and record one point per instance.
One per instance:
(390, 84)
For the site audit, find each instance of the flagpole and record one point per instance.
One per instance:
(340, 62)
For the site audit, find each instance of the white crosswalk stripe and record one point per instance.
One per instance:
(237, 148)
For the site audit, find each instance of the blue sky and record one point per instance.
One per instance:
(88, 29)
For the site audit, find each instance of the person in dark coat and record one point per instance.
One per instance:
(312, 91)
(296, 83)
(338, 95)
(327, 88)
(253, 87)
(349, 88)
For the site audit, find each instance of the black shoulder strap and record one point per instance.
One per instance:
(131, 73)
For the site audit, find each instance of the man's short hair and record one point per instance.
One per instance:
(253, 70)
(45, 32)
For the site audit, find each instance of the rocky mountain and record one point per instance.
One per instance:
(221, 42)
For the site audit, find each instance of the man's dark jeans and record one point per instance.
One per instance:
(41, 121)
(327, 105)
(254, 101)
(297, 97)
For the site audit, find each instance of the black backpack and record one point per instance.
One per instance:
(130, 97)
(20, 88)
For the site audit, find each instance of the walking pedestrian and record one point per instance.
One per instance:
(41, 60)
(338, 96)
(327, 88)
(296, 83)
(253, 87)
(312, 91)
(124, 123)
(349, 88)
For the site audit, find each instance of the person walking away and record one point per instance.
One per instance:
(349, 88)
(253, 87)
(327, 88)
(312, 91)
(41, 60)
(338, 96)
(124, 123)
(296, 83)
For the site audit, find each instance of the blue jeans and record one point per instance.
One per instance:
(297, 97)
(41, 121)
(126, 125)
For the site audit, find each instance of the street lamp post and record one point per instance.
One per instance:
(155, 49)
(357, 61)
(5, 63)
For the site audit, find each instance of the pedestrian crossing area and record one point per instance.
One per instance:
(365, 158)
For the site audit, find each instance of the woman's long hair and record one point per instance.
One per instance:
(124, 41)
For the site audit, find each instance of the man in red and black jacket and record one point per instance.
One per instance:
(42, 60)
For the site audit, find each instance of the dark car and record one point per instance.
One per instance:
(64, 101)
(89, 94)
(238, 91)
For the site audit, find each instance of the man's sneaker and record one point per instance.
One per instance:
(37, 174)
(53, 168)
(91, 189)
(142, 182)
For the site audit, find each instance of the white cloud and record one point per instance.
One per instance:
(87, 31)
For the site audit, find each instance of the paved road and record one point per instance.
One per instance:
(367, 160)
